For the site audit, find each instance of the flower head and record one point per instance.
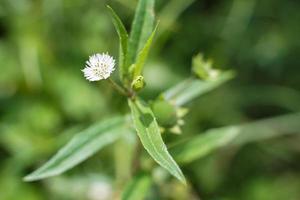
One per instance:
(98, 67)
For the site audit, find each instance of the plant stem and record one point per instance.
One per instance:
(136, 159)
(117, 87)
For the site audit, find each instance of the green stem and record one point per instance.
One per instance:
(117, 87)
(136, 159)
(126, 92)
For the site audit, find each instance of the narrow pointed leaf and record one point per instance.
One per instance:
(189, 89)
(123, 37)
(82, 146)
(150, 136)
(141, 29)
(205, 143)
(143, 54)
(138, 188)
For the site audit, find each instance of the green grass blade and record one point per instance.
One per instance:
(203, 144)
(189, 89)
(123, 38)
(141, 29)
(82, 146)
(143, 54)
(138, 188)
(150, 136)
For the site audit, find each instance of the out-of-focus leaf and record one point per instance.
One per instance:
(123, 164)
(81, 147)
(137, 188)
(191, 88)
(88, 186)
(141, 29)
(201, 145)
(123, 37)
(65, 90)
(143, 54)
(10, 183)
(284, 97)
(168, 16)
(150, 136)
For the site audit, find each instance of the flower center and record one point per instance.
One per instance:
(100, 70)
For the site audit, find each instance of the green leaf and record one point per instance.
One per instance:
(138, 188)
(189, 89)
(200, 145)
(141, 29)
(82, 146)
(143, 54)
(123, 37)
(203, 144)
(150, 136)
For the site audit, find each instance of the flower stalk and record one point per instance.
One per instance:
(117, 87)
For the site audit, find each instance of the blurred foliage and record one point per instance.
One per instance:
(44, 98)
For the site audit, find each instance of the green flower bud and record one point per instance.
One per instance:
(138, 83)
(203, 68)
(165, 113)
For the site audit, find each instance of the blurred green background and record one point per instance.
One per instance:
(44, 98)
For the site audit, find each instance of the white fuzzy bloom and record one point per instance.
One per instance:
(98, 67)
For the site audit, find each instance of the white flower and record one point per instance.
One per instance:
(99, 66)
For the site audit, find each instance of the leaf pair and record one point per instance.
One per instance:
(91, 140)
(135, 48)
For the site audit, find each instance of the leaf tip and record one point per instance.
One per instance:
(29, 178)
(109, 8)
(183, 180)
(181, 177)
